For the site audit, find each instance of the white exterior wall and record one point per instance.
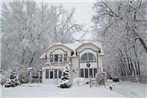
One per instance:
(75, 66)
(75, 61)
(93, 65)
(100, 63)
(58, 50)
(89, 48)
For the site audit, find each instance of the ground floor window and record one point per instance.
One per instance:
(53, 73)
(85, 72)
(46, 73)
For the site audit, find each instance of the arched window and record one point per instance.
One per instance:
(88, 57)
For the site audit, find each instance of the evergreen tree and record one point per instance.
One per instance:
(65, 79)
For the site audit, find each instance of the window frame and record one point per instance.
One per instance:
(56, 58)
(61, 58)
(85, 72)
(88, 59)
(46, 73)
(53, 73)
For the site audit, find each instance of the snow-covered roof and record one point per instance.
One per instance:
(43, 55)
(97, 44)
(57, 44)
(74, 46)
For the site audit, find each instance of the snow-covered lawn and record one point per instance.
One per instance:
(41, 90)
(120, 89)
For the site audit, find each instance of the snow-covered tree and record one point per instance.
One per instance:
(63, 26)
(12, 81)
(29, 28)
(122, 25)
(65, 79)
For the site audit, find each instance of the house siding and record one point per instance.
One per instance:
(100, 63)
(74, 60)
(75, 67)
(58, 49)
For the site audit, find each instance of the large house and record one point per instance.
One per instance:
(84, 60)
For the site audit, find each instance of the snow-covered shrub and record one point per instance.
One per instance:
(3, 81)
(12, 81)
(79, 81)
(3, 77)
(65, 79)
(24, 77)
(101, 78)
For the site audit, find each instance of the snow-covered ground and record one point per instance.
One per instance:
(130, 89)
(121, 89)
(40, 90)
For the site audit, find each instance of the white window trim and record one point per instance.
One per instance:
(88, 72)
(53, 70)
(88, 60)
(53, 58)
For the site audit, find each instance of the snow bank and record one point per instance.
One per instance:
(79, 81)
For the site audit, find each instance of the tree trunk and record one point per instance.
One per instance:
(32, 59)
(143, 44)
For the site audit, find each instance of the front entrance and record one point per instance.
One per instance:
(87, 72)
(53, 75)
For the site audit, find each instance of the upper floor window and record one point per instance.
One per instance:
(88, 58)
(57, 58)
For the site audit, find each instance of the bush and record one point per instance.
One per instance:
(24, 77)
(12, 81)
(79, 81)
(101, 78)
(3, 81)
(4, 77)
(65, 84)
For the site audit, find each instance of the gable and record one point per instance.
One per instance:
(58, 45)
(93, 46)
(77, 46)
(56, 49)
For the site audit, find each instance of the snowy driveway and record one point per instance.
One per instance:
(40, 90)
(131, 90)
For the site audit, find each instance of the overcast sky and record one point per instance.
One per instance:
(83, 10)
(83, 14)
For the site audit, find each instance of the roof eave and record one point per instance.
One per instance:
(87, 43)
